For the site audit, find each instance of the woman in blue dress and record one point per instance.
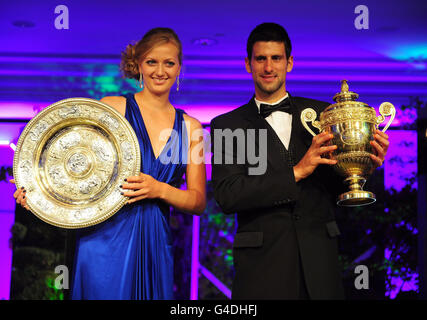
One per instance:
(129, 256)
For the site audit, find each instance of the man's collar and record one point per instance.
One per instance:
(258, 102)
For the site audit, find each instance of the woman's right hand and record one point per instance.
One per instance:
(19, 195)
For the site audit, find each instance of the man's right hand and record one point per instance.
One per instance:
(19, 195)
(313, 156)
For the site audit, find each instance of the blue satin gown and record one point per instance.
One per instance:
(129, 256)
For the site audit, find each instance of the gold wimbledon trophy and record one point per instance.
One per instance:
(353, 125)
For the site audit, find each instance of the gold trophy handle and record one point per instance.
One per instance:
(309, 115)
(386, 109)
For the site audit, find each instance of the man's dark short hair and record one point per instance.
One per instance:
(269, 32)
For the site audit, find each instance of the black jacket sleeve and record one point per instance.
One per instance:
(237, 191)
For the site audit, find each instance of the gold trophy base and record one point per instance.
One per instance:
(356, 196)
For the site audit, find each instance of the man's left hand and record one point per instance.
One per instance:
(380, 145)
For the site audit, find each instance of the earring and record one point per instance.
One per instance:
(140, 80)
(177, 83)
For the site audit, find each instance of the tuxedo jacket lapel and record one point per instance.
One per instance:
(276, 152)
(300, 138)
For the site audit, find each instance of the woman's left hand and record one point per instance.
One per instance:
(141, 187)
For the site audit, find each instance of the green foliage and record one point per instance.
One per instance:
(37, 249)
(368, 231)
(409, 113)
(19, 231)
(216, 233)
(6, 173)
(208, 291)
(182, 229)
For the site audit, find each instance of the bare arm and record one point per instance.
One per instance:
(118, 103)
(193, 199)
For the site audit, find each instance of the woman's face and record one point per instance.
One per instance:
(160, 68)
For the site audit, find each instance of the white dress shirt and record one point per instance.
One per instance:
(280, 121)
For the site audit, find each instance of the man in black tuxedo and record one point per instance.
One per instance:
(285, 246)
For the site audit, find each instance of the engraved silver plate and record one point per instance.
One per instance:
(71, 158)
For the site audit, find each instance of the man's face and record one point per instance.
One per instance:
(269, 66)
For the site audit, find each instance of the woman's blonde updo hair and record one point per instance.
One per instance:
(135, 52)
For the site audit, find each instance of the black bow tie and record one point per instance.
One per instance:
(266, 109)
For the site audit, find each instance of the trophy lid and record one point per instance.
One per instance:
(345, 95)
